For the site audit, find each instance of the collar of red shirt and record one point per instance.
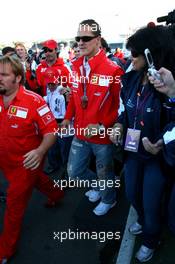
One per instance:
(58, 62)
(19, 94)
(98, 58)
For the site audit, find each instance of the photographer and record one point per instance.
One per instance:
(31, 66)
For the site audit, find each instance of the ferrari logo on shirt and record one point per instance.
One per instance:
(13, 110)
(18, 111)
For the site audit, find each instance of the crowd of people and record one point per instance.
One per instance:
(77, 112)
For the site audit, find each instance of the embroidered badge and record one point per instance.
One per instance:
(18, 111)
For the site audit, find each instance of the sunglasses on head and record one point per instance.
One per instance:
(47, 50)
(135, 53)
(85, 38)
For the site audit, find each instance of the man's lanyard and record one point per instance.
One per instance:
(84, 98)
(84, 82)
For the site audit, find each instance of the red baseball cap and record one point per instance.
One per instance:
(50, 44)
(52, 76)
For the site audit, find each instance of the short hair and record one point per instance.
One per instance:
(95, 28)
(161, 43)
(105, 45)
(21, 45)
(74, 45)
(7, 49)
(16, 65)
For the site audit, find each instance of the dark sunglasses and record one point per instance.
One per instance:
(85, 38)
(135, 53)
(47, 50)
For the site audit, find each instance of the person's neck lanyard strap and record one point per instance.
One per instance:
(139, 108)
(84, 82)
(84, 98)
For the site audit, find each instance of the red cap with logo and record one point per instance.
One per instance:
(52, 76)
(50, 44)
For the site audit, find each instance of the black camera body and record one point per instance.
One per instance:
(31, 55)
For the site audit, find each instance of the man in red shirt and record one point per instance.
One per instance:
(94, 105)
(52, 61)
(26, 132)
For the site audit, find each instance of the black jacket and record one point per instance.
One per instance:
(152, 113)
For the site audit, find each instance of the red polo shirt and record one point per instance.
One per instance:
(22, 125)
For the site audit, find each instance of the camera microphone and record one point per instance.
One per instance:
(162, 19)
(169, 19)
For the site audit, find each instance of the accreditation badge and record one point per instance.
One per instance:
(132, 140)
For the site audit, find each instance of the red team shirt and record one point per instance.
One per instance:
(22, 125)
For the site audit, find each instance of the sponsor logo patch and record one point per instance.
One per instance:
(43, 110)
(48, 118)
(18, 111)
(94, 79)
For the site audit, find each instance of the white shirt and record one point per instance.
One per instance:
(56, 102)
(169, 136)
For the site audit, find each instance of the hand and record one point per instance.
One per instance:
(117, 134)
(63, 127)
(27, 64)
(66, 91)
(92, 130)
(152, 148)
(65, 123)
(32, 159)
(167, 85)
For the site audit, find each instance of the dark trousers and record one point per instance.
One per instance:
(171, 210)
(58, 154)
(145, 185)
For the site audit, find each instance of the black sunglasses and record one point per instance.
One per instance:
(85, 38)
(47, 50)
(135, 53)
